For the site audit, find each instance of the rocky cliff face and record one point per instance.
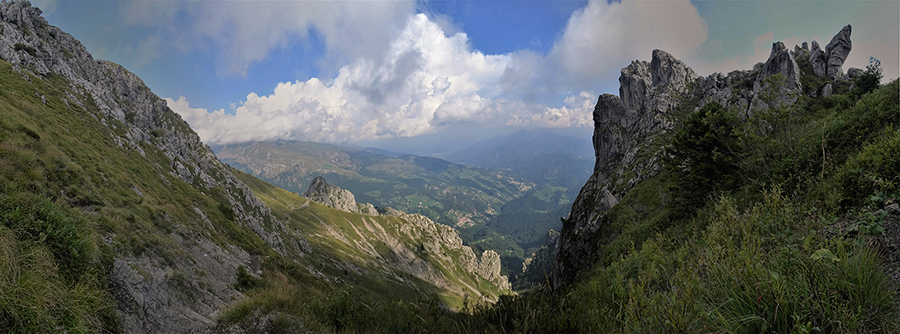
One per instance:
(442, 242)
(652, 96)
(140, 123)
(622, 126)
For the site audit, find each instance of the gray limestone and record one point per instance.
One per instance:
(817, 59)
(837, 51)
(625, 125)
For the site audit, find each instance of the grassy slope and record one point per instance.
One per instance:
(368, 295)
(64, 178)
(322, 224)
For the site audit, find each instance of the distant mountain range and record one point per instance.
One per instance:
(537, 156)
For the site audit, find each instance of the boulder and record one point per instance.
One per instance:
(827, 90)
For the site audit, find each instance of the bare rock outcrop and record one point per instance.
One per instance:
(818, 58)
(837, 51)
(649, 94)
(329, 195)
(769, 93)
(829, 62)
(342, 199)
(627, 126)
(780, 61)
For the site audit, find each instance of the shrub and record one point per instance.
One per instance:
(870, 79)
(702, 155)
(246, 281)
(22, 47)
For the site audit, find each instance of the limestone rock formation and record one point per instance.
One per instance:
(329, 195)
(818, 58)
(342, 199)
(837, 51)
(782, 62)
(829, 62)
(649, 93)
(444, 241)
(489, 265)
(626, 127)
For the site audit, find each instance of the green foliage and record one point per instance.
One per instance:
(754, 269)
(702, 155)
(226, 211)
(874, 167)
(39, 220)
(869, 80)
(35, 297)
(246, 281)
(755, 260)
(30, 50)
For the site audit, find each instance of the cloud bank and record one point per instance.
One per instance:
(426, 78)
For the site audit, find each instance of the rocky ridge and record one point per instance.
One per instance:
(437, 241)
(651, 98)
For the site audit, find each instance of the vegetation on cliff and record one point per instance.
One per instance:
(774, 223)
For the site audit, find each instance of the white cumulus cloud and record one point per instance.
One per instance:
(424, 80)
(427, 78)
(604, 36)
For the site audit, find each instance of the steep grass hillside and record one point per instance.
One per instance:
(387, 252)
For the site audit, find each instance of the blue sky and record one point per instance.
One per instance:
(370, 71)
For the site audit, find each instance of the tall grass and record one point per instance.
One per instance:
(50, 276)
